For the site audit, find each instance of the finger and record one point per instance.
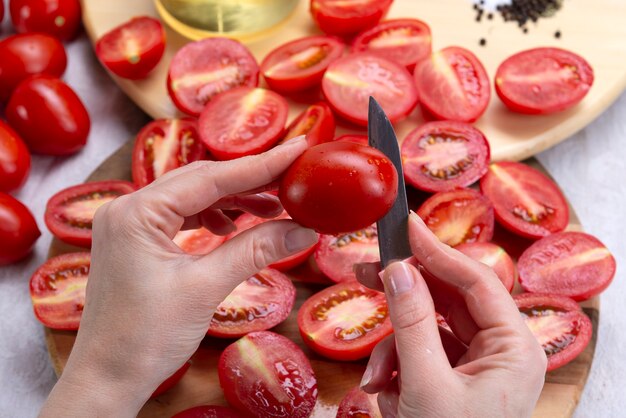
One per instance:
(262, 204)
(454, 348)
(368, 275)
(381, 365)
(212, 219)
(389, 400)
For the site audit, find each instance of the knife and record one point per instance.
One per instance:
(393, 238)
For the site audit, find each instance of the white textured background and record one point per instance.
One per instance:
(590, 167)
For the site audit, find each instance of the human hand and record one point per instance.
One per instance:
(502, 372)
(148, 304)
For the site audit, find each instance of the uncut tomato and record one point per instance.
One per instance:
(350, 81)
(164, 145)
(444, 155)
(543, 80)
(14, 160)
(199, 241)
(300, 64)
(458, 216)
(525, 200)
(337, 254)
(57, 290)
(171, 381)
(208, 411)
(49, 116)
(316, 122)
(404, 41)
(344, 321)
(18, 230)
(453, 85)
(559, 325)
(243, 121)
(358, 404)
(348, 17)
(359, 139)
(59, 18)
(493, 256)
(267, 375)
(69, 213)
(339, 186)
(29, 54)
(572, 264)
(258, 304)
(132, 49)
(203, 69)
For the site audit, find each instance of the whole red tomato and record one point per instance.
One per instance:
(18, 230)
(49, 116)
(59, 18)
(28, 54)
(14, 160)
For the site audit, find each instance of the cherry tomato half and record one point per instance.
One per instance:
(171, 381)
(14, 159)
(543, 80)
(69, 213)
(132, 49)
(208, 411)
(24, 55)
(49, 116)
(339, 186)
(59, 18)
(453, 85)
(358, 404)
(346, 18)
(57, 290)
(164, 145)
(404, 41)
(18, 230)
(201, 70)
(199, 241)
(316, 122)
(493, 256)
(267, 375)
(350, 81)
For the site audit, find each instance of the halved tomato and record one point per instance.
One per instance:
(164, 145)
(543, 80)
(441, 156)
(208, 411)
(348, 17)
(358, 404)
(171, 381)
(350, 81)
(267, 375)
(494, 257)
(572, 264)
(359, 139)
(300, 64)
(258, 304)
(243, 121)
(132, 49)
(199, 241)
(337, 254)
(57, 290)
(558, 323)
(453, 85)
(405, 41)
(525, 200)
(458, 216)
(344, 321)
(201, 70)
(316, 122)
(69, 213)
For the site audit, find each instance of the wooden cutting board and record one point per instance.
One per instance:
(595, 29)
(201, 386)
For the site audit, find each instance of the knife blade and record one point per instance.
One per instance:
(393, 238)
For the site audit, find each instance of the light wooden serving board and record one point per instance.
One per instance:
(595, 29)
(200, 384)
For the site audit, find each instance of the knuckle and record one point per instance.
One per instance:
(264, 252)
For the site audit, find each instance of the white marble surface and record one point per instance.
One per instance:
(590, 167)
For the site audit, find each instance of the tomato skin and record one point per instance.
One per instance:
(49, 116)
(29, 54)
(146, 34)
(59, 18)
(18, 230)
(358, 404)
(493, 256)
(541, 98)
(359, 139)
(208, 411)
(14, 160)
(171, 381)
(316, 122)
(348, 20)
(339, 186)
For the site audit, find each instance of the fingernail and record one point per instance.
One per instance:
(299, 239)
(367, 377)
(399, 278)
(415, 217)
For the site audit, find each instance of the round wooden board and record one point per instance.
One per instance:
(200, 385)
(594, 29)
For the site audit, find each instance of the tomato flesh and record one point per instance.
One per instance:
(358, 404)
(572, 264)
(14, 160)
(358, 139)
(18, 230)
(316, 122)
(208, 411)
(199, 241)
(348, 17)
(525, 200)
(171, 381)
(494, 257)
(267, 375)
(441, 156)
(344, 321)
(543, 80)
(57, 290)
(59, 18)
